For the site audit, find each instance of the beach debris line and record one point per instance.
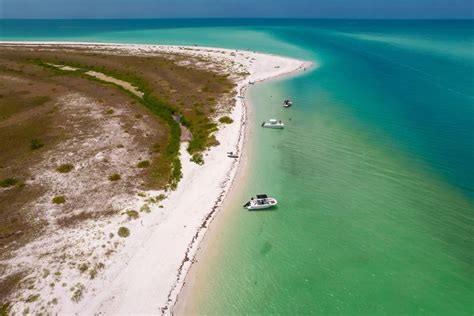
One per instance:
(260, 202)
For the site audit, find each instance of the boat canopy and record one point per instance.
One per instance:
(262, 196)
(273, 121)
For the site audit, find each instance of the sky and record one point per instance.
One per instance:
(380, 9)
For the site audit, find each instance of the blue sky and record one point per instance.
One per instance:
(237, 8)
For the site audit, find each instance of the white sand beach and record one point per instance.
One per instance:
(147, 271)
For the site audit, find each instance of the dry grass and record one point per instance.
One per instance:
(73, 220)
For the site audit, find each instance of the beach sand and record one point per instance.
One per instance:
(148, 272)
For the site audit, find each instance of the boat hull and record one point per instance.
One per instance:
(256, 205)
(273, 126)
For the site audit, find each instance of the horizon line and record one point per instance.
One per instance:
(243, 18)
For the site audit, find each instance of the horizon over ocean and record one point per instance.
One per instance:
(374, 170)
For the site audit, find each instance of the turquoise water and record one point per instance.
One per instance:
(374, 172)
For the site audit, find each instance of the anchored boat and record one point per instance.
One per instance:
(287, 103)
(273, 124)
(262, 201)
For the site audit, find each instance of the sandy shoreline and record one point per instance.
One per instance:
(149, 272)
(185, 303)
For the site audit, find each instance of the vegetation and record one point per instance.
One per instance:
(65, 168)
(123, 232)
(93, 272)
(59, 199)
(32, 298)
(155, 148)
(143, 164)
(169, 92)
(9, 182)
(36, 144)
(160, 197)
(197, 158)
(77, 292)
(83, 267)
(5, 309)
(132, 214)
(145, 208)
(115, 177)
(226, 120)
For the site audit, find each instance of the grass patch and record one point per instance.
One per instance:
(145, 208)
(5, 309)
(9, 182)
(132, 214)
(77, 292)
(83, 267)
(93, 272)
(123, 232)
(36, 144)
(143, 164)
(155, 148)
(115, 177)
(59, 199)
(197, 158)
(32, 298)
(226, 120)
(64, 168)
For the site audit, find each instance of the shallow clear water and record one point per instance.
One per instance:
(374, 172)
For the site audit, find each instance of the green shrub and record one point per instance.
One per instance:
(145, 208)
(197, 158)
(9, 182)
(115, 177)
(60, 199)
(143, 164)
(64, 168)
(226, 120)
(123, 232)
(132, 214)
(36, 144)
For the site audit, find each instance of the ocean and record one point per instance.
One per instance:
(374, 170)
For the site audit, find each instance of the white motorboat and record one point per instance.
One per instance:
(260, 202)
(287, 103)
(273, 124)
